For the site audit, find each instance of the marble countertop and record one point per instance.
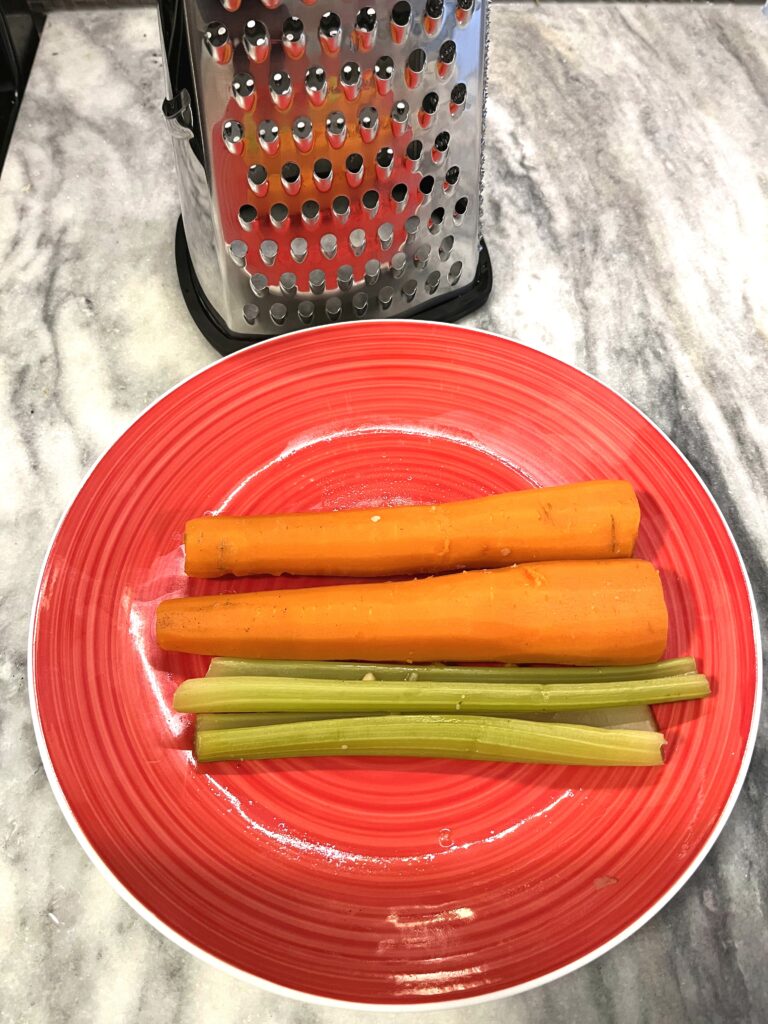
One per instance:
(627, 217)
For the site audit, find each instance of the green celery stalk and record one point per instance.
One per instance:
(243, 719)
(471, 738)
(242, 693)
(448, 673)
(611, 718)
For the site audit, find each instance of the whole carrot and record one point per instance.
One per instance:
(603, 612)
(597, 519)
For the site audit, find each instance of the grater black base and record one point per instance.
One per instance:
(449, 309)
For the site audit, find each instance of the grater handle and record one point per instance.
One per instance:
(178, 115)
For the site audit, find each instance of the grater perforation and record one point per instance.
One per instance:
(329, 135)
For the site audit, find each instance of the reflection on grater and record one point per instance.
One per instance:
(341, 158)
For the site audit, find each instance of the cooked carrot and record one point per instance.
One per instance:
(603, 612)
(597, 519)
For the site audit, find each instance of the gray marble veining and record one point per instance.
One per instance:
(627, 217)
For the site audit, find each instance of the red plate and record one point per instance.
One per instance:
(377, 881)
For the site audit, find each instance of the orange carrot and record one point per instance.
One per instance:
(597, 519)
(606, 612)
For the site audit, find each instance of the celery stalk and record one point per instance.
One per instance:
(242, 693)
(448, 673)
(244, 719)
(610, 718)
(471, 738)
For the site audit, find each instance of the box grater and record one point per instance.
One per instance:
(329, 160)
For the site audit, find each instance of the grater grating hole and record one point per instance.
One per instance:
(290, 178)
(244, 90)
(316, 85)
(421, 257)
(454, 273)
(293, 29)
(440, 147)
(460, 209)
(329, 32)
(385, 161)
(428, 109)
(400, 22)
(268, 251)
(372, 272)
(256, 41)
(317, 281)
(231, 5)
(269, 137)
(250, 313)
(258, 179)
(238, 250)
(310, 212)
(364, 35)
(433, 16)
(386, 295)
(345, 277)
(399, 196)
(247, 216)
(288, 283)
(451, 177)
(371, 202)
(360, 304)
(281, 89)
(445, 247)
(386, 234)
(294, 39)
(278, 312)
(432, 282)
(278, 215)
(368, 123)
(383, 72)
(333, 308)
(340, 208)
(436, 220)
(336, 129)
(329, 245)
(357, 241)
(303, 137)
(446, 58)
(463, 12)
(233, 133)
(217, 42)
(458, 99)
(366, 19)
(259, 285)
(409, 289)
(351, 80)
(414, 67)
(299, 249)
(413, 152)
(399, 261)
(354, 169)
(426, 185)
(306, 311)
(399, 119)
(323, 174)
(412, 227)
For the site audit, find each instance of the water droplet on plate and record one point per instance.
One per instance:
(445, 839)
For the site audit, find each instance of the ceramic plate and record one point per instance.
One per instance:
(375, 881)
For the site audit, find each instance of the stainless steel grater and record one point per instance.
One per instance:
(329, 159)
